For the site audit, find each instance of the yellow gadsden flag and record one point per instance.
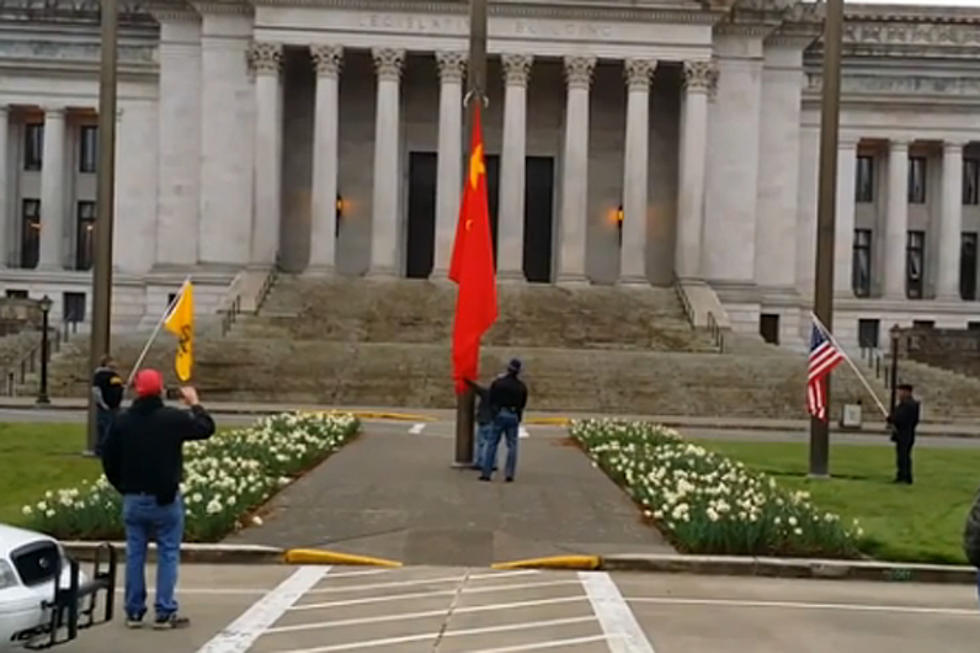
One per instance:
(180, 322)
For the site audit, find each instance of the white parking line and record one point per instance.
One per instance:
(242, 633)
(800, 605)
(421, 615)
(418, 581)
(614, 614)
(537, 646)
(417, 428)
(363, 572)
(388, 641)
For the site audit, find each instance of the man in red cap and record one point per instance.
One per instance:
(143, 459)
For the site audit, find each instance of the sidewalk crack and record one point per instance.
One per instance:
(449, 613)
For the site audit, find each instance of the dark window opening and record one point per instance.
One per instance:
(85, 236)
(30, 234)
(861, 259)
(13, 293)
(917, 180)
(88, 148)
(74, 303)
(915, 259)
(968, 265)
(868, 331)
(864, 187)
(33, 146)
(769, 328)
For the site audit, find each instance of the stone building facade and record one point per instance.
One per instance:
(627, 143)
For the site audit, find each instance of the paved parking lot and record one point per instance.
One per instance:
(321, 609)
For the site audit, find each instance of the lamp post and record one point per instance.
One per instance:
(823, 295)
(42, 393)
(106, 193)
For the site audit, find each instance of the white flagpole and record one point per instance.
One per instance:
(156, 331)
(864, 381)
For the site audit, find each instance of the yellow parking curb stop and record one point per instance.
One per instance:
(553, 562)
(324, 557)
(549, 421)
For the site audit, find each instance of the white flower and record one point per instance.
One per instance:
(792, 521)
(49, 514)
(256, 520)
(214, 507)
(27, 511)
(798, 531)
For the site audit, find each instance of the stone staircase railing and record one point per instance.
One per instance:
(247, 293)
(16, 373)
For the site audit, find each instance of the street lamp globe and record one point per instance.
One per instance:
(45, 303)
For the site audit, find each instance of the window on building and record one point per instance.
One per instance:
(170, 298)
(971, 181)
(33, 145)
(769, 328)
(914, 260)
(917, 180)
(968, 265)
(973, 326)
(923, 324)
(85, 236)
(864, 186)
(861, 264)
(74, 303)
(13, 293)
(30, 233)
(88, 144)
(868, 331)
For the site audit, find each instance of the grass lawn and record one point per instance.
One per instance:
(36, 457)
(921, 523)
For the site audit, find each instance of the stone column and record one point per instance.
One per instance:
(452, 65)
(510, 224)
(384, 224)
(844, 228)
(53, 190)
(896, 230)
(5, 222)
(266, 62)
(951, 223)
(327, 59)
(575, 171)
(699, 78)
(632, 267)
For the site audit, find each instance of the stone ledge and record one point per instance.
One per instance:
(189, 553)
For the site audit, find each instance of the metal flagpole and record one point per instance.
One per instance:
(156, 332)
(105, 178)
(861, 377)
(476, 84)
(823, 295)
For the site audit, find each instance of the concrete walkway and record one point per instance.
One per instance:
(949, 429)
(394, 495)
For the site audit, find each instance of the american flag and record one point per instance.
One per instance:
(824, 357)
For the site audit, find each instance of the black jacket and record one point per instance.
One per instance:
(904, 420)
(508, 392)
(971, 534)
(144, 450)
(484, 413)
(107, 386)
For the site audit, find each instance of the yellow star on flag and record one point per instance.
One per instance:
(476, 165)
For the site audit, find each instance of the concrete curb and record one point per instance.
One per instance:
(197, 553)
(791, 568)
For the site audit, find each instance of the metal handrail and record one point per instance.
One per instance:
(232, 312)
(878, 362)
(27, 364)
(717, 333)
(685, 302)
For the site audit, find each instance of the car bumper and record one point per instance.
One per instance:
(18, 614)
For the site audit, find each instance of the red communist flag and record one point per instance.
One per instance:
(472, 266)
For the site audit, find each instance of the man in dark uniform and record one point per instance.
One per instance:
(903, 420)
(508, 397)
(484, 421)
(107, 389)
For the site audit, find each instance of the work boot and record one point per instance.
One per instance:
(171, 622)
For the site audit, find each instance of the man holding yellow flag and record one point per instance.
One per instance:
(180, 322)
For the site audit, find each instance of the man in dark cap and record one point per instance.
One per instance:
(508, 397)
(144, 461)
(107, 389)
(903, 420)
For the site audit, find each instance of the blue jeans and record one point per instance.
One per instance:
(483, 434)
(978, 582)
(145, 520)
(504, 424)
(103, 422)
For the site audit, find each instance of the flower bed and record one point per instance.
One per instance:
(707, 503)
(225, 479)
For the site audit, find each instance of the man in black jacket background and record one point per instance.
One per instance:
(903, 421)
(508, 398)
(143, 460)
(107, 389)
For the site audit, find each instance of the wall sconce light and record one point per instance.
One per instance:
(620, 216)
(339, 216)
